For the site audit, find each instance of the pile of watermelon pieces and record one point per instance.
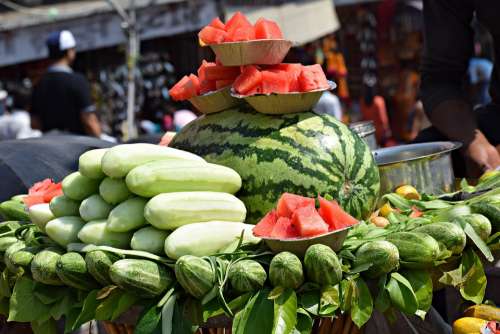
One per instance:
(297, 217)
(250, 80)
(42, 192)
(238, 29)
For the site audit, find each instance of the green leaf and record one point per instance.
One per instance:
(24, 306)
(167, 314)
(383, 300)
(46, 327)
(213, 308)
(476, 239)
(309, 301)
(62, 307)
(256, 317)
(347, 287)
(106, 291)
(149, 321)
(452, 277)
(49, 294)
(276, 292)
(329, 301)
(70, 318)
(475, 284)
(402, 294)
(126, 301)
(436, 204)
(398, 201)
(107, 306)
(285, 312)
(4, 307)
(4, 284)
(88, 310)
(362, 303)
(304, 322)
(421, 283)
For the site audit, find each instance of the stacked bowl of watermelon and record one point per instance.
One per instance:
(248, 69)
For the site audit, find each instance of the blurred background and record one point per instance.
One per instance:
(371, 49)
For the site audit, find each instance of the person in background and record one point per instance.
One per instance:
(373, 109)
(329, 104)
(449, 37)
(15, 124)
(61, 99)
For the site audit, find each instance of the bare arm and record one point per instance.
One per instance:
(91, 124)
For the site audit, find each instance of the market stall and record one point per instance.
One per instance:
(259, 217)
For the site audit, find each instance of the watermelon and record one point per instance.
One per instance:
(42, 192)
(308, 222)
(284, 229)
(249, 78)
(202, 69)
(217, 23)
(267, 29)
(237, 21)
(266, 225)
(288, 203)
(186, 88)
(312, 77)
(210, 35)
(273, 82)
(334, 216)
(223, 83)
(205, 84)
(241, 34)
(301, 153)
(218, 72)
(256, 90)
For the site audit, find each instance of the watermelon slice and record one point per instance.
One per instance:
(265, 227)
(334, 216)
(42, 192)
(210, 35)
(267, 29)
(202, 69)
(237, 21)
(185, 89)
(284, 229)
(289, 203)
(274, 82)
(312, 77)
(249, 78)
(207, 86)
(308, 222)
(218, 72)
(241, 34)
(217, 23)
(223, 83)
(254, 91)
(195, 82)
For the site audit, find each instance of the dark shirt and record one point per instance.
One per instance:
(449, 46)
(59, 98)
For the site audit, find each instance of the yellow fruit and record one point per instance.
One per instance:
(489, 174)
(486, 312)
(379, 221)
(386, 209)
(468, 325)
(408, 192)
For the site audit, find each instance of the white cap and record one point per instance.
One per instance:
(66, 40)
(3, 95)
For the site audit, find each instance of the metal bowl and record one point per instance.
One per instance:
(426, 166)
(298, 246)
(366, 130)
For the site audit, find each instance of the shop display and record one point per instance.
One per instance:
(269, 223)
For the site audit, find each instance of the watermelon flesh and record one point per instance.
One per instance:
(210, 35)
(275, 82)
(218, 72)
(237, 21)
(241, 34)
(289, 203)
(312, 77)
(42, 192)
(249, 78)
(266, 225)
(267, 29)
(219, 84)
(308, 222)
(186, 88)
(217, 23)
(334, 216)
(284, 229)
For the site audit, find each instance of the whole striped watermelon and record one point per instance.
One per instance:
(301, 153)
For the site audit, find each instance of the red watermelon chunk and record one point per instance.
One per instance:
(288, 203)
(237, 21)
(223, 83)
(265, 227)
(249, 79)
(207, 86)
(217, 23)
(254, 91)
(218, 72)
(274, 83)
(186, 88)
(202, 69)
(284, 229)
(308, 222)
(241, 34)
(312, 77)
(267, 29)
(334, 215)
(42, 192)
(210, 35)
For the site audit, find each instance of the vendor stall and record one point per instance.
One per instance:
(259, 217)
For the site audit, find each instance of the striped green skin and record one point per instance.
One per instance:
(43, 267)
(142, 277)
(247, 276)
(98, 264)
(322, 265)
(7, 257)
(286, 271)
(195, 275)
(300, 153)
(72, 271)
(450, 235)
(382, 255)
(416, 250)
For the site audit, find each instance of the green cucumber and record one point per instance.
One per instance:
(63, 206)
(142, 277)
(78, 187)
(64, 230)
(43, 267)
(149, 239)
(98, 264)
(114, 191)
(89, 163)
(6, 242)
(450, 235)
(14, 210)
(40, 215)
(72, 271)
(7, 257)
(23, 257)
(416, 250)
(96, 233)
(127, 216)
(491, 211)
(94, 208)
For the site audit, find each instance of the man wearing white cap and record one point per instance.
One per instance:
(61, 99)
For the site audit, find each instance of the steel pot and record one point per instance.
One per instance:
(426, 166)
(365, 130)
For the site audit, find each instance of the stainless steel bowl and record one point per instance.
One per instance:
(426, 166)
(365, 130)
